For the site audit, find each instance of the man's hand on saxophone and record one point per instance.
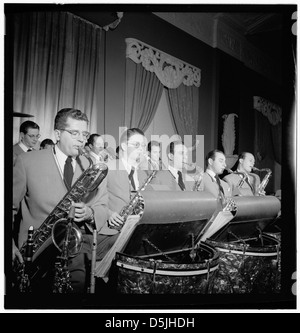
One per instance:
(82, 211)
(115, 221)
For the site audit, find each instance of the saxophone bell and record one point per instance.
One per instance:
(66, 236)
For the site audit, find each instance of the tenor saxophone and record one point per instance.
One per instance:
(43, 249)
(135, 204)
(264, 182)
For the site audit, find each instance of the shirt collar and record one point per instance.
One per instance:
(23, 147)
(97, 157)
(173, 171)
(61, 158)
(127, 166)
(211, 173)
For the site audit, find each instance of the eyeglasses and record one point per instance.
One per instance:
(137, 145)
(75, 134)
(32, 136)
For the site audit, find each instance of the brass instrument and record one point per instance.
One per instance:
(62, 282)
(135, 205)
(264, 182)
(43, 254)
(24, 284)
(198, 176)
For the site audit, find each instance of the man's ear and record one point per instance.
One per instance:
(57, 134)
(123, 146)
(22, 136)
(170, 156)
(210, 161)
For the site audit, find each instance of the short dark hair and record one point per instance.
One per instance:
(46, 142)
(92, 137)
(152, 144)
(171, 146)
(212, 155)
(28, 124)
(62, 116)
(129, 133)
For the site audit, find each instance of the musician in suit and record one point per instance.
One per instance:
(96, 148)
(29, 135)
(215, 165)
(242, 181)
(42, 178)
(124, 177)
(175, 176)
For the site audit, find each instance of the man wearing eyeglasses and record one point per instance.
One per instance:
(29, 135)
(124, 176)
(41, 181)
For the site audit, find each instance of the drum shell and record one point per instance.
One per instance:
(155, 276)
(251, 266)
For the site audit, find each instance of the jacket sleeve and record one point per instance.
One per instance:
(98, 201)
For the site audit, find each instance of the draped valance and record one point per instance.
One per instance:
(270, 110)
(171, 71)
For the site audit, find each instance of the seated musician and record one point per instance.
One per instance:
(215, 164)
(242, 181)
(96, 148)
(41, 181)
(175, 176)
(125, 177)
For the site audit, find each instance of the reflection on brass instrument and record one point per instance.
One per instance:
(135, 205)
(198, 175)
(24, 285)
(264, 182)
(153, 164)
(89, 180)
(62, 282)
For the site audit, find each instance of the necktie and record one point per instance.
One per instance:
(248, 182)
(68, 171)
(29, 149)
(130, 176)
(219, 184)
(180, 181)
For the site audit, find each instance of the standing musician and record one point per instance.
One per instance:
(176, 177)
(215, 165)
(42, 178)
(124, 176)
(29, 135)
(242, 181)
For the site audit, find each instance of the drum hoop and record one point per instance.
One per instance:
(257, 254)
(168, 273)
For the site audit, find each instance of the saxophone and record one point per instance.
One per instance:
(198, 176)
(44, 254)
(264, 182)
(135, 205)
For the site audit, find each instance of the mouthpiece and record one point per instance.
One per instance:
(229, 170)
(255, 169)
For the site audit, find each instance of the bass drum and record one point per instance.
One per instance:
(184, 273)
(249, 266)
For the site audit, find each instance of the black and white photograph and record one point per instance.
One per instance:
(150, 158)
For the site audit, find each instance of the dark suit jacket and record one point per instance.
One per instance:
(210, 185)
(38, 187)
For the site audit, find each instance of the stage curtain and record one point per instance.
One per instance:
(143, 93)
(56, 64)
(184, 105)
